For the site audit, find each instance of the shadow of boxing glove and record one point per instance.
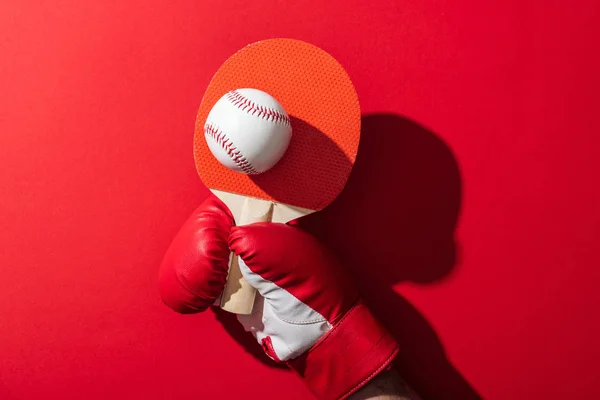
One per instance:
(194, 270)
(309, 314)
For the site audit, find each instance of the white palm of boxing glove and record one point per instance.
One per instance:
(284, 325)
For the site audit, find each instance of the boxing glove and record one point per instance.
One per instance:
(194, 270)
(309, 315)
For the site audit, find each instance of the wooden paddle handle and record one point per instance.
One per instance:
(238, 295)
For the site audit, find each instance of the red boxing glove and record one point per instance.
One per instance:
(194, 270)
(309, 314)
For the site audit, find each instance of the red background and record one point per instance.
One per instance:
(480, 152)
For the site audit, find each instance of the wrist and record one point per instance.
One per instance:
(388, 385)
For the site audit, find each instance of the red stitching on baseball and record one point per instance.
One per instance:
(245, 104)
(227, 145)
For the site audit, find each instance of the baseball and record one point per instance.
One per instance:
(248, 131)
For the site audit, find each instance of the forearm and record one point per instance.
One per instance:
(386, 386)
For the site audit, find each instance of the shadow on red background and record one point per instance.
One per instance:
(394, 222)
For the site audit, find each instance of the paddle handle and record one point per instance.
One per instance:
(238, 295)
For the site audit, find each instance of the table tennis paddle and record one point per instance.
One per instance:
(323, 106)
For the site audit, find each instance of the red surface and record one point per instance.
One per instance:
(97, 111)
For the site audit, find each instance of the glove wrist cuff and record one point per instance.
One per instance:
(352, 353)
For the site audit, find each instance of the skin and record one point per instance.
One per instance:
(386, 386)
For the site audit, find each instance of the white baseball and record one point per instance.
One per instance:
(248, 131)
